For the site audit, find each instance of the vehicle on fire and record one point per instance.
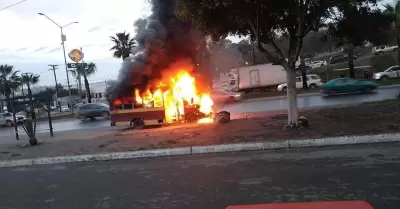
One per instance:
(178, 101)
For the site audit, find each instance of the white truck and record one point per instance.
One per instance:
(256, 77)
(383, 49)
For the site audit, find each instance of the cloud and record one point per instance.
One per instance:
(94, 29)
(40, 49)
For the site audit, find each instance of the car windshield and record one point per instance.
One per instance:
(391, 69)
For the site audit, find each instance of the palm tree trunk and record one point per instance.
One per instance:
(79, 85)
(350, 52)
(8, 101)
(88, 95)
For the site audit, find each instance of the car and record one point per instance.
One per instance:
(391, 72)
(383, 49)
(313, 81)
(6, 119)
(221, 96)
(340, 58)
(318, 63)
(347, 85)
(65, 109)
(92, 110)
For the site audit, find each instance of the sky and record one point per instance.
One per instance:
(31, 42)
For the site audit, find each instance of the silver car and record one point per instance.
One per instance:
(6, 119)
(92, 110)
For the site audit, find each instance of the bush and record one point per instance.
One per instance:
(382, 62)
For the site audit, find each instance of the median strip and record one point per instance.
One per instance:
(281, 144)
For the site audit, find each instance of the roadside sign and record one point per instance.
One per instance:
(76, 55)
(75, 65)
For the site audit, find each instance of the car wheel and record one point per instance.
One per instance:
(9, 123)
(385, 78)
(106, 115)
(313, 86)
(284, 89)
(138, 124)
(82, 118)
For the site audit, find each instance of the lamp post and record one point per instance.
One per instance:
(63, 39)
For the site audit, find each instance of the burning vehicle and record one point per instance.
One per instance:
(175, 98)
(167, 77)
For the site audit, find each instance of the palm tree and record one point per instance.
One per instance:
(29, 79)
(123, 45)
(86, 71)
(394, 13)
(15, 83)
(6, 87)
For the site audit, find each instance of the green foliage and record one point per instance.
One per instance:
(123, 45)
(382, 62)
(261, 20)
(8, 80)
(361, 24)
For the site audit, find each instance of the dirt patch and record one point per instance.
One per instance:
(355, 120)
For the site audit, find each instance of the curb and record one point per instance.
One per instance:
(270, 145)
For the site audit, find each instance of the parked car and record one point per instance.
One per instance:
(383, 49)
(6, 119)
(318, 63)
(92, 110)
(340, 58)
(347, 85)
(313, 81)
(391, 72)
(220, 96)
(65, 109)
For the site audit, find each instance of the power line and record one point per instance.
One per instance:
(4, 8)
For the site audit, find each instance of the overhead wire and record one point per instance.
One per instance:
(4, 8)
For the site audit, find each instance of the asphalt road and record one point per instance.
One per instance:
(312, 101)
(211, 181)
(238, 108)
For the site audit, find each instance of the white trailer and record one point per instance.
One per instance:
(257, 77)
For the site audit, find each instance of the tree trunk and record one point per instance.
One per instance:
(398, 48)
(303, 73)
(293, 111)
(88, 95)
(79, 85)
(350, 52)
(8, 101)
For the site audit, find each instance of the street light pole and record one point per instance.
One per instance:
(66, 69)
(63, 39)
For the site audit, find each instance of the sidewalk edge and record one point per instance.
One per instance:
(281, 144)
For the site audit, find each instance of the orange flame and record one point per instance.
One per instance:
(172, 94)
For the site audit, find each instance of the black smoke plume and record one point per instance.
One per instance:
(162, 40)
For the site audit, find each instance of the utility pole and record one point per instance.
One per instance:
(54, 68)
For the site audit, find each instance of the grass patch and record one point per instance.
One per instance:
(386, 102)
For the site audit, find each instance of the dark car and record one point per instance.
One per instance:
(347, 85)
(92, 111)
(340, 58)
